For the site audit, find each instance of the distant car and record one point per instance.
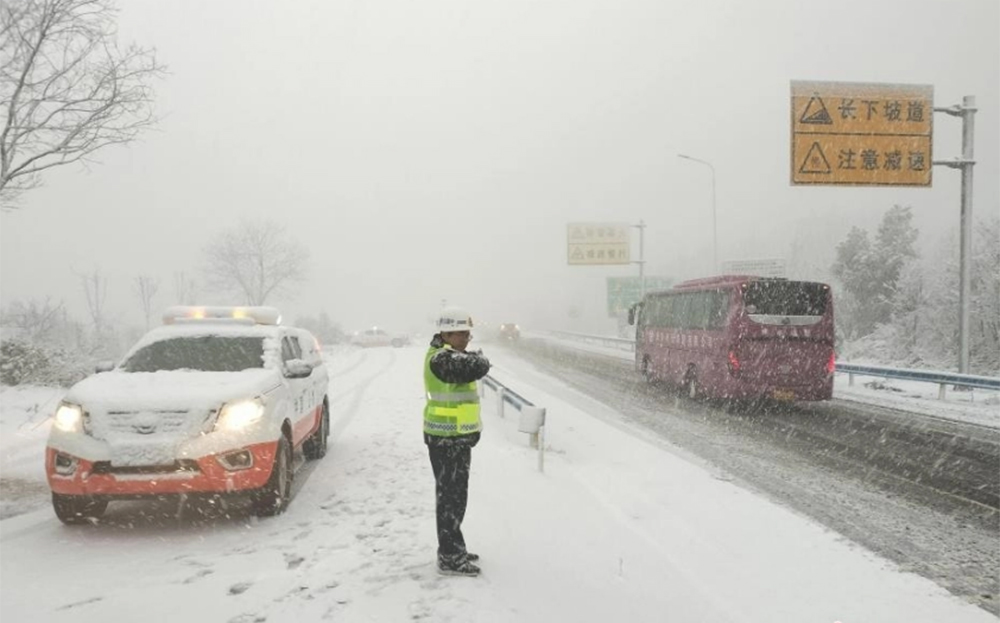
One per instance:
(378, 337)
(213, 402)
(510, 331)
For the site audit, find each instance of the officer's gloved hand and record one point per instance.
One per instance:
(479, 353)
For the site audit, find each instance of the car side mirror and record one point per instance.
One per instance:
(297, 369)
(104, 366)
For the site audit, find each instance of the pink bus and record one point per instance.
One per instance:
(738, 337)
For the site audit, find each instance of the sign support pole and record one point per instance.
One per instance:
(642, 260)
(967, 111)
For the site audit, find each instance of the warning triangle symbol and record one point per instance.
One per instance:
(816, 112)
(815, 161)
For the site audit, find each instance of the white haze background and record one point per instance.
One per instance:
(437, 150)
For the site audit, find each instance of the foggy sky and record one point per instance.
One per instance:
(436, 150)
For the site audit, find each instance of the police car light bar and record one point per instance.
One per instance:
(250, 315)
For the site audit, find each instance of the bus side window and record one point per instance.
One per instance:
(665, 318)
(651, 313)
(678, 311)
(718, 309)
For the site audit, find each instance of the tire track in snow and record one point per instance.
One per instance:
(354, 395)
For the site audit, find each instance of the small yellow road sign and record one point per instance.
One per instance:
(597, 243)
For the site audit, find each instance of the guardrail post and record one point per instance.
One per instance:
(541, 449)
(850, 379)
(942, 390)
(533, 422)
(500, 393)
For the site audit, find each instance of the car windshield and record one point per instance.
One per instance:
(785, 298)
(209, 353)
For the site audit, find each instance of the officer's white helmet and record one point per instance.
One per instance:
(454, 319)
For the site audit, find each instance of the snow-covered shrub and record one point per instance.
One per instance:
(22, 362)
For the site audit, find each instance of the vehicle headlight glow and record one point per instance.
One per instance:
(239, 415)
(69, 417)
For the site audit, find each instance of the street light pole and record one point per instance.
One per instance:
(642, 260)
(967, 111)
(715, 222)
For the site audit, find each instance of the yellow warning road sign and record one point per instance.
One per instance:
(598, 243)
(849, 133)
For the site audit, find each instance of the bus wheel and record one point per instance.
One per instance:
(691, 382)
(647, 374)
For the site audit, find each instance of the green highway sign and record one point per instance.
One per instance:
(623, 292)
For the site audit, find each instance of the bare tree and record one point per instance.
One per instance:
(146, 288)
(95, 287)
(66, 88)
(38, 322)
(255, 260)
(185, 288)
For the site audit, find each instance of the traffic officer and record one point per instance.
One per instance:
(451, 429)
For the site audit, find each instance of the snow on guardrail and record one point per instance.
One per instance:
(532, 418)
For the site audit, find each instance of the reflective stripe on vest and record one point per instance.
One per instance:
(452, 408)
(455, 397)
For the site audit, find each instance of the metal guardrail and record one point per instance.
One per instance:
(532, 418)
(943, 379)
(619, 343)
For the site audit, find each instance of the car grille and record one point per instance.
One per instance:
(141, 422)
(177, 467)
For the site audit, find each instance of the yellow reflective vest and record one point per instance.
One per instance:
(452, 408)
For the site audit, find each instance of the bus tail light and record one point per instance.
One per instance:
(831, 365)
(734, 363)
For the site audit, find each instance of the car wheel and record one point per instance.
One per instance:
(315, 447)
(273, 498)
(77, 509)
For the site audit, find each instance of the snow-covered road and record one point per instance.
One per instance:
(618, 528)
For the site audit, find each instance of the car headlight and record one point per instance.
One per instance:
(69, 417)
(239, 415)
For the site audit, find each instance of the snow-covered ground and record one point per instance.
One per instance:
(976, 406)
(617, 528)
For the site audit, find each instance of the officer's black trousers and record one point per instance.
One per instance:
(451, 476)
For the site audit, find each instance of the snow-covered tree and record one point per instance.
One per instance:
(892, 250)
(870, 271)
(145, 289)
(851, 268)
(984, 313)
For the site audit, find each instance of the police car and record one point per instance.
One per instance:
(213, 402)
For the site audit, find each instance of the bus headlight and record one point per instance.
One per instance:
(239, 415)
(69, 418)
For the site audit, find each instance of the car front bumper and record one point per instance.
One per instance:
(207, 474)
